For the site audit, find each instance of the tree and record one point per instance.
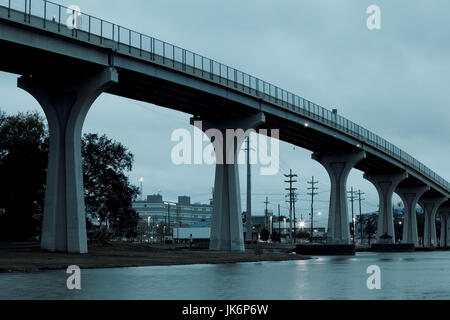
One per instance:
(371, 226)
(275, 237)
(264, 234)
(141, 230)
(420, 226)
(161, 230)
(398, 228)
(301, 234)
(108, 192)
(23, 164)
(23, 161)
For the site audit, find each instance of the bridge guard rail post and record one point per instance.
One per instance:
(386, 185)
(410, 197)
(65, 101)
(430, 208)
(338, 167)
(226, 222)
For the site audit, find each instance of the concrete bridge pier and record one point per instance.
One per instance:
(444, 213)
(410, 198)
(386, 185)
(227, 137)
(338, 167)
(66, 99)
(430, 208)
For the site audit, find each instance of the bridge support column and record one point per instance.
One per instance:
(445, 227)
(385, 185)
(227, 138)
(338, 168)
(430, 208)
(410, 197)
(65, 102)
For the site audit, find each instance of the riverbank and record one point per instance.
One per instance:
(116, 255)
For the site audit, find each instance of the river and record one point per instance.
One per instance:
(415, 275)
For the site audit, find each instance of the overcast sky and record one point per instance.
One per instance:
(393, 81)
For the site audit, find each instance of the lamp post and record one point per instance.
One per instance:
(141, 180)
(149, 223)
(168, 216)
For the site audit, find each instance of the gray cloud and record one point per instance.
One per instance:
(393, 81)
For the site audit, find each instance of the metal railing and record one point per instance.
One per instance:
(136, 43)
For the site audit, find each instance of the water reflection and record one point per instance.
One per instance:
(417, 275)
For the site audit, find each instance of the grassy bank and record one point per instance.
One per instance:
(129, 255)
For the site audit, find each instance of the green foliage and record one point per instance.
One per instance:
(371, 227)
(302, 234)
(108, 192)
(161, 230)
(275, 237)
(23, 161)
(23, 164)
(264, 234)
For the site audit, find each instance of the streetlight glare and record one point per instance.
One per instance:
(141, 179)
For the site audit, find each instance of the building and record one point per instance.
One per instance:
(155, 210)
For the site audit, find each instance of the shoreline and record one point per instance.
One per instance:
(123, 255)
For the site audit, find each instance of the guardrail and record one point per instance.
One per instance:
(199, 65)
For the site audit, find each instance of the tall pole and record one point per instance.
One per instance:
(360, 213)
(141, 189)
(266, 213)
(279, 223)
(168, 218)
(248, 213)
(248, 224)
(291, 198)
(313, 188)
(352, 200)
(294, 199)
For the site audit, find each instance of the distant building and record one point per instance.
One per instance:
(155, 210)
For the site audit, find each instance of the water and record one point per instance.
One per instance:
(416, 275)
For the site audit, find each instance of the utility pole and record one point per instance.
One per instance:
(360, 213)
(279, 223)
(291, 198)
(248, 213)
(266, 214)
(352, 200)
(294, 200)
(211, 201)
(313, 188)
(168, 218)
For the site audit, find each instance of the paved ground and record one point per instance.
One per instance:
(128, 255)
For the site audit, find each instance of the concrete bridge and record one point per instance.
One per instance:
(66, 69)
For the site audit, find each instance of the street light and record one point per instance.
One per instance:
(168, 215)
(149, 222)
(141, 180)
